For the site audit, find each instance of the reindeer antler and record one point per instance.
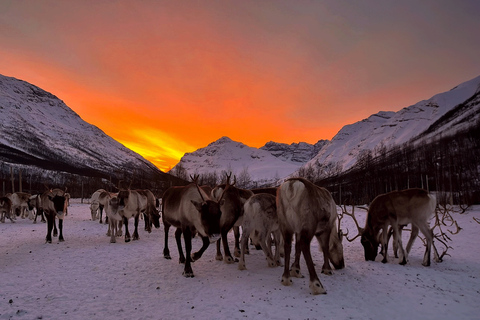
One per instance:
(447, 221)
(195, 180)
(227, 185)
(352, 215)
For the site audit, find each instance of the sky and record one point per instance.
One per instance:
(169, 77)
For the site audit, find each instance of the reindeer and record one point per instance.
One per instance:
(19, 204)
(232, 213)
(53, 205)
(5, 209)
(307, 210)
(260, 220)
(151, 215)
(34, 204)
(95, 205)
(397, 209)
(130, 204)
(115, 220)
(190, 210)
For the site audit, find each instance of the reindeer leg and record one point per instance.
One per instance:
(135, 231)
(101, 211)
(219, 255)
(49, 227)
(60, 229)
(197, 255)
(287, 237)
(277, 236)
(267, 250)
(112, 227)
(413, 236)
(428, 233)
(384, 243)
(178, 239)
(127, 233)
(166, 251)
(295, 269)
(55, 231)
(236, 233)
(398, 239)
(109, 231)
(226, 250)
(316, 286)
(187, 236)
(243, 246)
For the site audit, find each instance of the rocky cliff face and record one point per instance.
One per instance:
(300, 152)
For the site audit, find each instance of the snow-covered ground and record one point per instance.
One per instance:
(87, 277)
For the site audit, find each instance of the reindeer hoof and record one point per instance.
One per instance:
(328, 272)
(236, 253)
(167, 256)
(195, 256)
(188, 274)
(229, 260)
(295, 272)
(286, 281)
(219, 257)
(317, 288)
(241, 266)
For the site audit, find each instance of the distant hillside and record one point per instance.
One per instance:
(443, 114)
(40, 132)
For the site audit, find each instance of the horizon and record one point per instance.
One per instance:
(168, 78)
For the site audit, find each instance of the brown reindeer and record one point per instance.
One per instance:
(5, 209)
(232, 216)
(307, 210)
(191, 211)
(397, 209)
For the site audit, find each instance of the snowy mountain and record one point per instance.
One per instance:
(443, 114)
(38, 129)
(264, 165)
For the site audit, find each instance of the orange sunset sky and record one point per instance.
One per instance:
(169, 77)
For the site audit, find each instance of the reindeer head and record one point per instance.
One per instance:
(370, 245)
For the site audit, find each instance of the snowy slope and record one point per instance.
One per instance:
(87, 277)
(36, 127)
(231, 156)
(394, 128)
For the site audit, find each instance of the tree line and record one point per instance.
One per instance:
(448, 165)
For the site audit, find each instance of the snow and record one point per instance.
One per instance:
(392, 128)
(225, 154)
(87, 277)
(36, 122)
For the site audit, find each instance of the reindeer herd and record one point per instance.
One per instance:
(296, 210)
